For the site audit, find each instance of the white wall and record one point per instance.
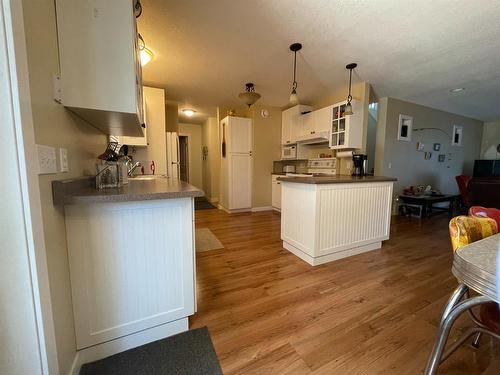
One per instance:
(19, 342)
(407, 164)
(491, 139)
(195, 156)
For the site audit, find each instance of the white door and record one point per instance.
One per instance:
(241, 181)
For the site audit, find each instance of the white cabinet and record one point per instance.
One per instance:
(100, 70)
(137, 141)
(305, 129)
(236, 164)
(290, 123)
(131, 266)
(276, 192)
(323, 120)
(347, 131)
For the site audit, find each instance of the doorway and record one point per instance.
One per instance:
(184, 157)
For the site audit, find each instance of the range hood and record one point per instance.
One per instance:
(319, 137)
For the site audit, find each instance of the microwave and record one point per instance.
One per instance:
(289, 152)
(295, 151)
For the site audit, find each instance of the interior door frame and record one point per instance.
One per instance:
(16, 93)
(188, 154)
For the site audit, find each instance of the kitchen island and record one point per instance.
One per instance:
(332, 217)
(132, 261)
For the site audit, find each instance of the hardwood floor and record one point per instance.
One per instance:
(269, 312)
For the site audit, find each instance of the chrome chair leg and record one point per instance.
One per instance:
(476, 341)
(450, 315)
(456, 296)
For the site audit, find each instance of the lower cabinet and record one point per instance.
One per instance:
(276, 192)
(131, 266)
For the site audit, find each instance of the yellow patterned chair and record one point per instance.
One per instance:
(463, 231)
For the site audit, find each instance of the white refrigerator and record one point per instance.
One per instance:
(173, 158)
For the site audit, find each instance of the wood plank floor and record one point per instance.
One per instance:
(269, 312)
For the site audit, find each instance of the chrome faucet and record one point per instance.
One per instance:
(132, 168)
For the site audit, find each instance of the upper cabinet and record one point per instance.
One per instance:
(328, 124)
(100, 70)
(290, 123)
(346, 131)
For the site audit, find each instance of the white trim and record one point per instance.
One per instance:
(25, 142)
(263, 208)
(315, 261)
(237, 211)
(106, 349)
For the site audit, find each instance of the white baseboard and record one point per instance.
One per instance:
(264, 208)
(315, 261)
(220, 207)
(106, 349)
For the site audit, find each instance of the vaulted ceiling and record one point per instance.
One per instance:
(205, 51)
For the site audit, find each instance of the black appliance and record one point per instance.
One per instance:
(486, 168)
(359, 161)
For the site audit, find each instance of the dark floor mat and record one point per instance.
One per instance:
(188, 353)
(202, 204)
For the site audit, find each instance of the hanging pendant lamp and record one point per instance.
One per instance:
(348, 107)
(294, 98)
(249, 96)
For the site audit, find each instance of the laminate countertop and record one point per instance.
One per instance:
(82, 190)
(337, 179)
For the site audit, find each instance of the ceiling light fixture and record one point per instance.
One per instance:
(458, 89)
(146, 55)
(249, 96)
(294, 98)
(348, 108)
(188, 112)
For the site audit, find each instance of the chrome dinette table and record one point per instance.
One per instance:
(476, 268)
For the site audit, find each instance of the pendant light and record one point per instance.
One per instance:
(348, 107)
(249, 96)
(294, 98)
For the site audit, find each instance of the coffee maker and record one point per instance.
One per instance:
(359, 163)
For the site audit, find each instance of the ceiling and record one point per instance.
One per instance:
(205, 51)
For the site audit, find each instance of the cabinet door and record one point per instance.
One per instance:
(131, 266)
(239, 134)
(138, 141)
(240, 182)
(276, 194)
(306, 126)
(323, 119)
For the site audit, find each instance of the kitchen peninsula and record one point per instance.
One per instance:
(328, 218)
(132, 261)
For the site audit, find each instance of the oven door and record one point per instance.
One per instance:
(289, 152)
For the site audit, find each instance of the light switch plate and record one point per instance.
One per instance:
(63, 160)
(46, 159)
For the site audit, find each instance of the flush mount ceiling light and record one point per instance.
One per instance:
(249, 96)
(348, 107)
(146, 54)
(188, 112)
(458, 89)
(294, 98)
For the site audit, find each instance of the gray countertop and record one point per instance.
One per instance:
(338, 179)
(78, 191)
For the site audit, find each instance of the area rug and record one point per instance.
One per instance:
(201, 203)
(206, 240)
(188, 353)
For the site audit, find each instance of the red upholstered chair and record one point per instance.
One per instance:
(462, 182)
(492, 213)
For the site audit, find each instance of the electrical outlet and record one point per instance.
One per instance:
(46, 159)
(63, 160)
(389, 165)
